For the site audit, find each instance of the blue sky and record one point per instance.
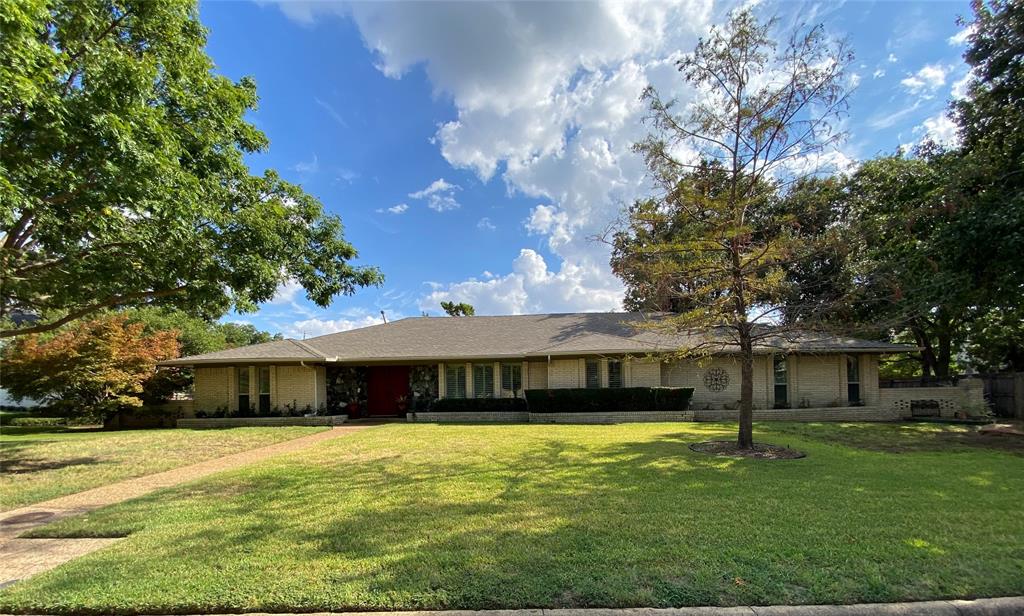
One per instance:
(473, 150)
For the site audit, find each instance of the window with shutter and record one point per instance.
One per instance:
(512, 377)
(454, 381)
(781, 381)
(853, 379)
(263, 375)
(593, 374)
(614, 373)
(483, 380)
(243, 389)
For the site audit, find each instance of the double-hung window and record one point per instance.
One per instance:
(454, 381)
(593, 374)
(781, 381)
(614, 373)
(242, 382)
(853, 379)
(483, 380)
(512, 378)
(263, 373)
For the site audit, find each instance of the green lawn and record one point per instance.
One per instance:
(40, 463)
(425, 516)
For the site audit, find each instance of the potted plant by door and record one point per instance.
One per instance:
(353, 409)
(403, 403)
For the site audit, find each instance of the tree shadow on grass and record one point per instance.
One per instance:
(559, 524)
(16, 459)
(901, 437)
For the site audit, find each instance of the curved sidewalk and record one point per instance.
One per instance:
(22, 558)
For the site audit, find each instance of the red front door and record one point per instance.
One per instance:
(385, 385)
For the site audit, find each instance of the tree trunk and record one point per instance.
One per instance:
(745, 439)
(927, 351)
(944, 336)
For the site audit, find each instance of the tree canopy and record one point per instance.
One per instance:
(928, 244)
(461, 309)
(197, 335)
(122, 174)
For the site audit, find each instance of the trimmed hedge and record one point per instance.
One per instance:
(479, 405)
(26, 421)
(142, 418)
(611, 400)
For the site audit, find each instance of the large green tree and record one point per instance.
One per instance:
(910, 277)
(763, 110)
(987, 238)
(123, 178)
(934, 239)
(197, 335)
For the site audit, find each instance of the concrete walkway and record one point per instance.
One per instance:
(21, 558)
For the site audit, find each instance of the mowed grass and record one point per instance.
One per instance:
(38, 464)
(435, 517)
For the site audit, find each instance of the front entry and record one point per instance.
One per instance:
(385, 385)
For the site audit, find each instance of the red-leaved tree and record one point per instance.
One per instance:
(95, 369)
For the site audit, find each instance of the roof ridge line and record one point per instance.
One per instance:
(308, 348)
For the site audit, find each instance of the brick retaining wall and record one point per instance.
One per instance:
(607, 418)
(967, 396)
(842, 413)
(468, 417)
(578, 418)
(238, 422)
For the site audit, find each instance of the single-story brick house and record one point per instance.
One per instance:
(403, 366)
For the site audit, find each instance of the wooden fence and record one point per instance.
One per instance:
(1004, 392)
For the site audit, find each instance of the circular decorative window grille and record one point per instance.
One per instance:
(716, 379)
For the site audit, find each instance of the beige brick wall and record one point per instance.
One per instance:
(968, 395)
(538, 375)
(213, 388)
(691, 374)
(294, 385)
(869, 379)
(820, 380)
(643, 372)
(564, 373)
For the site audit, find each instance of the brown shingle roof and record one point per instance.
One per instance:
(492, 337)
(276, 350)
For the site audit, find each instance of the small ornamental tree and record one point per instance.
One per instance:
(710, 244)
(93, 369)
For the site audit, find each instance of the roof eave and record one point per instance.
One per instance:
(186, 362)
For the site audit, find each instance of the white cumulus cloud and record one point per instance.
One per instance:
(531, 287)
(401, 208)
(546, 99)
(940, 129)
(308, 328)
(440, 195)
(286, 292)
(927, 79)
(961, 37)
